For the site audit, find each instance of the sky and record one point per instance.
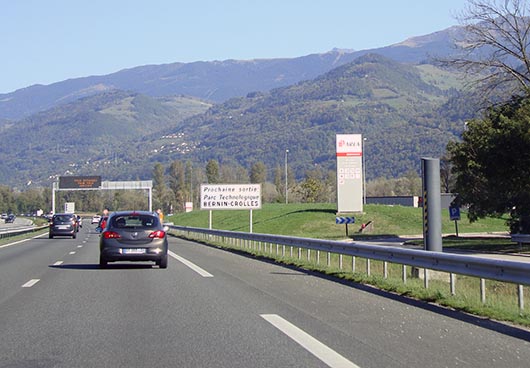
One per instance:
(47, 41)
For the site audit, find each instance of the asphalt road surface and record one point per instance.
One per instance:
(212, 308)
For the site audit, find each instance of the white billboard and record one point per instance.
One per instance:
(230, 196)
(69, 207)
(349, 150)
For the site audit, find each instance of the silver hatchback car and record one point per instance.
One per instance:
(133, 236)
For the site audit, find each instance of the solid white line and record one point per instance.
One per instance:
(22, 241)
(194, 267)
(14, 243)
(58, 263)
(30, 283)
(315, 347)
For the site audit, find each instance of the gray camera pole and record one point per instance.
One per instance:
(432, 211)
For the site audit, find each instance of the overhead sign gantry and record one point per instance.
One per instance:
(67, 183)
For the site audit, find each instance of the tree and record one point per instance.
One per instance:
(446, 179)
(233, 174)
(258, 173)
(177, 182)
(159, 180)
(492, 164)
(7, 200)
(495, 45)
(189, 181)
(279, 183)
(310, 190)
(313, 188)
(159, 186)
(212, 172)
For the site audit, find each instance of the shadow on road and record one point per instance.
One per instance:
(95, 266)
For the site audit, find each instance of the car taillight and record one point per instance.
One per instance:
(111, 235)
(159, 234)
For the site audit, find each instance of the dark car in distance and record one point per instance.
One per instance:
(133, 236)
(63, 224)
(10, 218)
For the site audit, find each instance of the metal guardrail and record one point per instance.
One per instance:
(521, 238)
(493, 269)
(26, 230)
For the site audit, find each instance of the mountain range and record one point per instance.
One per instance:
(238, 112)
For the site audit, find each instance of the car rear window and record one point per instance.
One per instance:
(62, 218)
(135, 221)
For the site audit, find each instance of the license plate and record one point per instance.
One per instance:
(63, 227)
(133, 250)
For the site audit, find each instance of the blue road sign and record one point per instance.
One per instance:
(454, 213)
(344, 220)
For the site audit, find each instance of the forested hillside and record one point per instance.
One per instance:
(88, 136)
(404, 111)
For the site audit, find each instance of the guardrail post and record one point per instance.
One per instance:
(368, 266)
(483, 291)
(353, 264)
(452, 280)
(404, 273)
(426, 278)
(520, 295)
(318, 257)
(385, 269)
(329, 259)
(340, 261)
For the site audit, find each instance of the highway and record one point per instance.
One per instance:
(213, 308)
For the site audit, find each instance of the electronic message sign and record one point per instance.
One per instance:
(79, 182)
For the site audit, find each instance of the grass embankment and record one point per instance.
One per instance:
(318, 221)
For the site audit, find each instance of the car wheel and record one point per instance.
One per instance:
(50, 236)
(102, 262)
(162, 263)
(74, 236)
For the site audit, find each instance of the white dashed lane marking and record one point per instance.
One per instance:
(30, 283)
(308, 342)
(191, 265)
